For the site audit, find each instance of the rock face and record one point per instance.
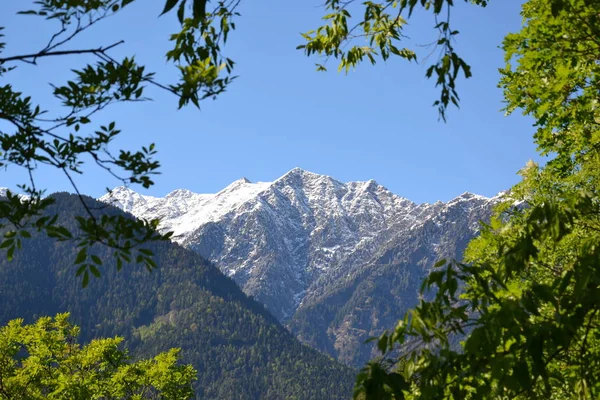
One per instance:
(366, 298)
(336, 262)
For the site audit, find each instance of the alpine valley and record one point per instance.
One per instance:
(335, 262)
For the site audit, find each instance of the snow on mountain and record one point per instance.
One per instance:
(286, 240)
(4, 190)
(183, 211)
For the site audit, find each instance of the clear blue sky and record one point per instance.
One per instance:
(375, 123)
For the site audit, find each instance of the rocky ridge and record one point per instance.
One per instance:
(306, 245)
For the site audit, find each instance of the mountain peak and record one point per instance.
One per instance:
(120, 191)
(177, 193)
(371, 185)
(123, 198)
(299, 177)
(298, 170)
(470, 196)
(297, 173)
(243, 185)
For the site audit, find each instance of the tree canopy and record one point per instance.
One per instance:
(524, 302)
(44, 361)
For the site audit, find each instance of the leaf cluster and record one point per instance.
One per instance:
(381, 27)
(44, 361)
(68, 138)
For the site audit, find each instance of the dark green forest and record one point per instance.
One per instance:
(239, 350)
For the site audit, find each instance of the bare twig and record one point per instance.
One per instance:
(27, 57)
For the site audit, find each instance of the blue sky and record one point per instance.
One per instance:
(374, 123)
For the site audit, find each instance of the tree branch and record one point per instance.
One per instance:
(26, 57)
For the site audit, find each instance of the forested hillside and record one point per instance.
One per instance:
(238, 348)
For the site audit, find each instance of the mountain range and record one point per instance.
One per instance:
(335, 262)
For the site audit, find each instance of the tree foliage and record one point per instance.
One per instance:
(377, 34)
(525, 302)
(69, 137)
(44, 361)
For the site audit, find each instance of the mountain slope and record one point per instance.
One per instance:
(238, 348)
(307, 242)
(363, 301)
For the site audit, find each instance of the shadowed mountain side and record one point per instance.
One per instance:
(238, 348)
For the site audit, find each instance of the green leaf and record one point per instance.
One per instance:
(199, 9)
(382, 343)
(81, 256)
(86, 279)
(146, 252)
(169, 6)
(94, 271)
(96, 259)
(80, 270)
(181, 11)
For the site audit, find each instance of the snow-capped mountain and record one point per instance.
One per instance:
(295, 242)
(369, 295)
